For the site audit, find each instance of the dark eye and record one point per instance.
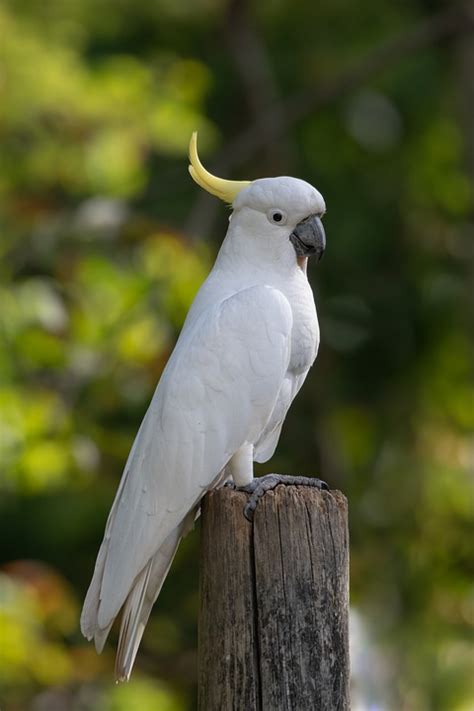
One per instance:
(277, 217)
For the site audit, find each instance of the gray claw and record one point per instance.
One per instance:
(258, 487)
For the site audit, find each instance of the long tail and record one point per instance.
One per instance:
(139, 602)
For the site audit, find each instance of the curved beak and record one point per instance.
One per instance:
(309, 238)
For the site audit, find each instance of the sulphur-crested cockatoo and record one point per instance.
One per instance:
(247, 344)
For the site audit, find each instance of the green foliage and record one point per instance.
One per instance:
(97, 103)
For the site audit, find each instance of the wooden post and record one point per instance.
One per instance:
(273, 628)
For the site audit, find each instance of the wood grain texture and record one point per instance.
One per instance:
(273, 629)
(228, 658)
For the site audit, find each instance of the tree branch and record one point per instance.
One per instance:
(438, 28)
(263, 132)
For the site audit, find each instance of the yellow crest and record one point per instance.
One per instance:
(226, 190)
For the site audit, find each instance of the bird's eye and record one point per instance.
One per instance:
(277, 217)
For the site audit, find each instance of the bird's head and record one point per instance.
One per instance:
(278, 212)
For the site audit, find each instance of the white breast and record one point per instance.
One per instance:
(305, 334)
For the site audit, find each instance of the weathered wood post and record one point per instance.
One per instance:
(273, 627)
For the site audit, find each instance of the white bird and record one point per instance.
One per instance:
(246, 346)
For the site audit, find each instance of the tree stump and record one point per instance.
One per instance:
(273, 627)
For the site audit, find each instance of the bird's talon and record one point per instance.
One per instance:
(249, 511)
(258, 487)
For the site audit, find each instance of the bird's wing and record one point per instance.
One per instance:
(217, 392)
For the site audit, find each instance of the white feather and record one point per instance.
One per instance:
(192, 428)
(244, 351)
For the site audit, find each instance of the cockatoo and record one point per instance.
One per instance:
(246, 346)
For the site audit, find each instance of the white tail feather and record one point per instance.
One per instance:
(140, 602)
(131, 628)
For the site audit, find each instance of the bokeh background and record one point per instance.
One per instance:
(105, 240)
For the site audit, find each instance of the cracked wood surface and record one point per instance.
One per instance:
(273, 628)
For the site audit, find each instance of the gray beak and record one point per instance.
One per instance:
(309, 238)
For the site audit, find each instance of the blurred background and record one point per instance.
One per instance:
(105, 240)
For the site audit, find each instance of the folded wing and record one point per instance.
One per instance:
(218, 391)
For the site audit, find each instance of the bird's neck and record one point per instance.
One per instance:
(246, 254)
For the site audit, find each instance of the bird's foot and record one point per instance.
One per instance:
(258, 487)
